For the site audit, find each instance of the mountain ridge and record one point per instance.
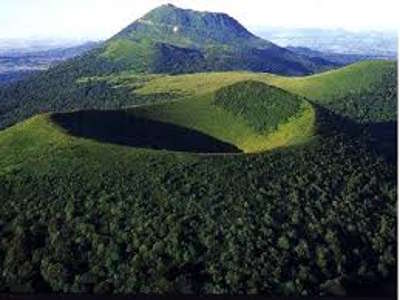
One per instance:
(224, 43)
(171, 15)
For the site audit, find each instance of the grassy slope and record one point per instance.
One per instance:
(336, 84)
(321, 87)
(195, 108)
(200, 113)
(196, 91)
(37, 141)
(135, 54)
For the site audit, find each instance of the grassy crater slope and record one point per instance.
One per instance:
(211, 103)
(347, 91)
(207, 113)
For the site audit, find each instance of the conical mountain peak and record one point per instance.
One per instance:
(196, 26)
(170, 39)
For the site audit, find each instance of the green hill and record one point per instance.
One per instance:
(169, 39)
(368, 87)
(206, 114)
(205, 124)
(262, 107)
(364, 93)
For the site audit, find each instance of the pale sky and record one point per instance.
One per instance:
(100, 19)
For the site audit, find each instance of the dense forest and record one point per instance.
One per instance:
(308, 220)
(264, 107)
(378, 103)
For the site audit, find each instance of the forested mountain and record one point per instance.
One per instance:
(13, 76)
(173, 40)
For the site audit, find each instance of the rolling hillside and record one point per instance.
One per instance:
(79, 91)
(247, 110)
(371, 85)
(208, 113)
(367, 99)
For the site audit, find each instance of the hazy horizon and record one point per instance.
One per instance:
(93, 20)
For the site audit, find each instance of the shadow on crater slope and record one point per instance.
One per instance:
(381, 137)
(119, 127)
